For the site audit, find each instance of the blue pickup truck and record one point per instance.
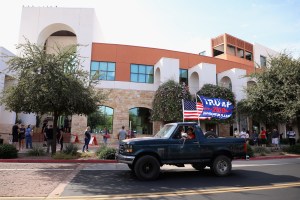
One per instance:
(173, 146)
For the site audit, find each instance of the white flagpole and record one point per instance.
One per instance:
(182, 101)
(197, 110)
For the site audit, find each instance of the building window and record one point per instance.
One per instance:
(140, 120)
(226, 83)
(141, 73)
(218, 50)
(248, 56)
(240, 53)
(100, 119)
(103, 70)
(230, 49)
(263, 61)
(183, 76)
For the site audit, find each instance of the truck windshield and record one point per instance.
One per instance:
(166, 131)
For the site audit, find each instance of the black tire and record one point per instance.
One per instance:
(221, 166)
(199, 166)
(210, 135)
(147, 168)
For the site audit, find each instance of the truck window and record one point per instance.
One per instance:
(166, 131)
(178, 132)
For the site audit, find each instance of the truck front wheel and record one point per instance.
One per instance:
(221, 166)
(147, 168)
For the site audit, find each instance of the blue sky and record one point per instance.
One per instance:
(181, 25)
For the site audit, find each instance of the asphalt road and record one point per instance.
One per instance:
(261, 179)
(267, 179)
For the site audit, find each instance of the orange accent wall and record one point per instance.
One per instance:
(124, 55)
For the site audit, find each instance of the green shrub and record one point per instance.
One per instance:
(36, 151)
(60, 155)
(8, 151)
(87, 155)
(284, 141)
(294, 149)
(71, 149)
(105, 152)
(261, 150)
(250, 151)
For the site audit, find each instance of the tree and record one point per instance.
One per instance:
(215, 91)
(50, 83)
(276, 95)
(95, 119)
(167, 103)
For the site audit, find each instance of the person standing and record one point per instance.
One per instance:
(122, 134)
(66, 124)
(28, 137)
(87, 138)
(292, 137)
(263, 137)
(21, 136)
(275, 138)
(236, 133)
(49, 137)
(243, 133)
(60, 137)
(255, 138)
(15, 134)
(105, 133)
(44, 127)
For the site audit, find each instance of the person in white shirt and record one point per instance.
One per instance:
(236, 133)
(292, 137)
(243, 133)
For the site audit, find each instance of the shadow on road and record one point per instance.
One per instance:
(124, 182)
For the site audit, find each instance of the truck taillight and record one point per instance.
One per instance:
(245, 147)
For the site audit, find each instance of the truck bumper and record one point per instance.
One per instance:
(125, 159)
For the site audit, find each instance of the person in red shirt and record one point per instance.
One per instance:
(190, 134)
(263, 137)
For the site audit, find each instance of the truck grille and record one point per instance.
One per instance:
(121, 148)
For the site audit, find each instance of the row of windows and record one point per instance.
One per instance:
(138, 73)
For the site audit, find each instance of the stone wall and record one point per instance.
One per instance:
(121, 101)
(224, 130)
(5, 130)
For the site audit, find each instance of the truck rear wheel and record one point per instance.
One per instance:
(147, 168)
(221, 166)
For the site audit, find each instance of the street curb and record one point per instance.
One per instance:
(55, 161)
(273, 157)
(115, 161)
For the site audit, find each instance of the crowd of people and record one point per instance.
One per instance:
(264, 137)
(22, 136)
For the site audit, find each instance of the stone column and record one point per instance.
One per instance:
(79, 124)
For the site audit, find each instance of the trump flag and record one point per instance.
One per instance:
(216, 108)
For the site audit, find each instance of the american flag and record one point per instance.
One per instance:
(192, 110)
